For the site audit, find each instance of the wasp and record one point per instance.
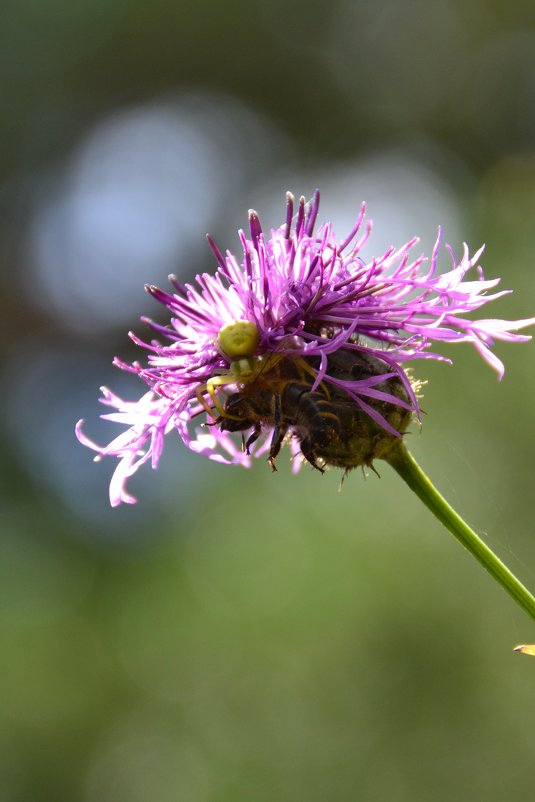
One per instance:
(331, 427)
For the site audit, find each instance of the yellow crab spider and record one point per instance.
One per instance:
(238, 341)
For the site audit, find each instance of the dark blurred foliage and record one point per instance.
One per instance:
(242, 635)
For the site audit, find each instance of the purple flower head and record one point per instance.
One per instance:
(303, 298)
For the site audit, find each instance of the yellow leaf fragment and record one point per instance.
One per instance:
(525, 648)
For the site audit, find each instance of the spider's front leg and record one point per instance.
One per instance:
(210, 387)
(240, 372)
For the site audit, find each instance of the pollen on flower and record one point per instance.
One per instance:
(317, 351)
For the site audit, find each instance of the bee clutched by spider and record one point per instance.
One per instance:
(278, 390)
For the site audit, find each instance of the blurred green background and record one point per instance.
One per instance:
(240, 635)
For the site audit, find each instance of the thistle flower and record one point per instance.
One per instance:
(299, 297)
(305, 340)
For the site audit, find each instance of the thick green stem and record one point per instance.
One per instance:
(403, 462)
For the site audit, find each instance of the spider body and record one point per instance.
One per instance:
(237, 341)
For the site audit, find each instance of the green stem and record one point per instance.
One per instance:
(409, 470)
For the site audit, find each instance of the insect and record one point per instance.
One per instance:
(330, 426)
(282, 398)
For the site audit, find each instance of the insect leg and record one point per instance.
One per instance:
(279, 433)
(253, 437)
(308, 453)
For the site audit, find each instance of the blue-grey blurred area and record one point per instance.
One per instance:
(243, 635)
